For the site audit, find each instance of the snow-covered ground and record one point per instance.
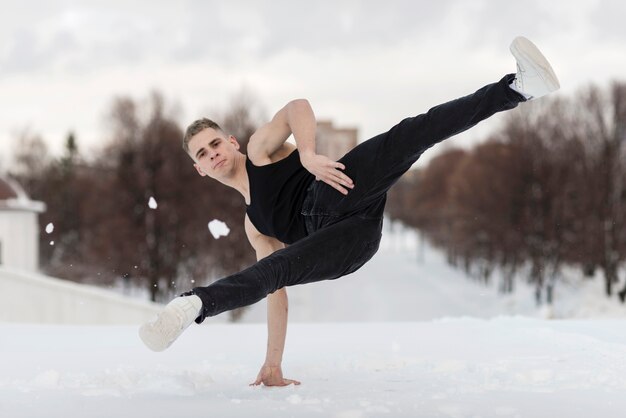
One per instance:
(398, 338)
(463, 367)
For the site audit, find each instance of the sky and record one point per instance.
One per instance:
(364, 64)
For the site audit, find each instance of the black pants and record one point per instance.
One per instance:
(344, 231)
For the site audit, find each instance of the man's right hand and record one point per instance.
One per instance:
(327, 170)
(272, 376)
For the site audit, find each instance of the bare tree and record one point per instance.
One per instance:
(104, 227)
(168, 249)
(549, 188)
(602, 119)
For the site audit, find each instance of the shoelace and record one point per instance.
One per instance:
(518, 80)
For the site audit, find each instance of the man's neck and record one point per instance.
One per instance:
(239, 179)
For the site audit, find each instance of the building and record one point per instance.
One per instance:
(27, 296)
(19, 227)
(334, 142)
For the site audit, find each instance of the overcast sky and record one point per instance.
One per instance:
(364, 64)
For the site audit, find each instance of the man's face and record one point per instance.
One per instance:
(214, 153)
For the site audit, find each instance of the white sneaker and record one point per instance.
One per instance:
(535, 77)
(161, 332)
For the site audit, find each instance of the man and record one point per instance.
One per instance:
(333, 226)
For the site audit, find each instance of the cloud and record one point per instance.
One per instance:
(265, 28)
(23, 53)
(363, 63)
(80, 40)
(84, 37)
(607, 22)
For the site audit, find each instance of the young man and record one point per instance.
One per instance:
(333, 226)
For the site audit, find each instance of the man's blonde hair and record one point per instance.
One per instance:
(195, 128)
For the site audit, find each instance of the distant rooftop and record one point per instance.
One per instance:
(13, 197)
(7, 190)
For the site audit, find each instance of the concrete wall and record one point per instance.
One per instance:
(34, 298)
(19, 240)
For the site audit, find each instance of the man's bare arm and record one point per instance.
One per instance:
(277, 314)
(297, 118)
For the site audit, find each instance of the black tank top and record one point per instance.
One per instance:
(277, 192)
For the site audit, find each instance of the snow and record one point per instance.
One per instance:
(23, 204)
(456, 367)
(400, 338)
(49, 228)
(218, 228)
(152, 203)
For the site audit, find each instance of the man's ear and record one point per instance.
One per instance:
(233, 141)
(202, 173)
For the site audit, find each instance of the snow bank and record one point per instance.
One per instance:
(35, 298)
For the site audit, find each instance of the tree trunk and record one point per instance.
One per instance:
(610, 277)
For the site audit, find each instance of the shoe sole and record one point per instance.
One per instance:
(527, 53)
(151, 339)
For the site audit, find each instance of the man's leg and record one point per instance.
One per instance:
(376, 164)
(327, 254)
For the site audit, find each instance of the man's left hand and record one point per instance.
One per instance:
(328, 171)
